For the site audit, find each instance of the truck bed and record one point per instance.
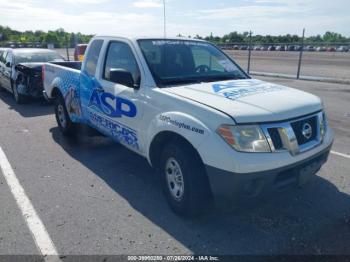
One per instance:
(73, 64)
(62, 75)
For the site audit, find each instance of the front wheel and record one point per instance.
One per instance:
(64, 123)
(184, 180)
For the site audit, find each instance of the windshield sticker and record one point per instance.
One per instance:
(118, 131)
(236, 90)
(111, 105)
(179, 42)
(180, 125)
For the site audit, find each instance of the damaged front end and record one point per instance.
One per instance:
(29, 80)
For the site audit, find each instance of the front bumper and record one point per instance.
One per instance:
(227, 185)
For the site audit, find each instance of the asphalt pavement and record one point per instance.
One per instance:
(95, 197)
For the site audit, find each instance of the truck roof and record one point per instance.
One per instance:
(148, 38)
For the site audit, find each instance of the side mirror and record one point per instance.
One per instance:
(121, 76)
(8, 64)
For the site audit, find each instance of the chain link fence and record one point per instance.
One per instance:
(321, 61)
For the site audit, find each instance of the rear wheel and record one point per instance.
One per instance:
(184, 180)
(64, 123)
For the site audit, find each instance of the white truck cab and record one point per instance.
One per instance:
(210, 130)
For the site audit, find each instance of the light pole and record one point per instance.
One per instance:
(301, 54)
(164, 14)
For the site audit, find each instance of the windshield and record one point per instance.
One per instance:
(37, 57)
(183, 61)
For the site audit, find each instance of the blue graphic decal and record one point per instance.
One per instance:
(111, 105)
(69, 82)
(118, 131)
(236, 90)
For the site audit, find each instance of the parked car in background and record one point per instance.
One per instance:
(309, 48)
(79, 52)
(321, 49)
(257, 48)
(342, 49)
(281, 48)
(11, 45)
(271, 48)
(20, 71)
(331, 49)
(292, 48)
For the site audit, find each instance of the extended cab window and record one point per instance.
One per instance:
(92, 57)
(120, 56)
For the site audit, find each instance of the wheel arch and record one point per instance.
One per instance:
(55, 92)
(161, 139)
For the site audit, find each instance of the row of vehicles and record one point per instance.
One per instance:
(211, 132)
(308, 48)
(24, 45)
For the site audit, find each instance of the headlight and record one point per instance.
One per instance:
(244, 138)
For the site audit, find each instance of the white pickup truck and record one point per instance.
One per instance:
(210, 130)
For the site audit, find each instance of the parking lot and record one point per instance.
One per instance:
(317, 64)
(95, 197)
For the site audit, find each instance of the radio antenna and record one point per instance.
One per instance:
(164, 17)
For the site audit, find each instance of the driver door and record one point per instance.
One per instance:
(120, 105)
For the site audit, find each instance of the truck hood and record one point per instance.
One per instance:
(251, 100)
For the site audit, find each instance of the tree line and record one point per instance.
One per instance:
(235, 37)
(60, 38)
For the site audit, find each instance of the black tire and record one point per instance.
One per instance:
(20, 99)
(196, 197)
(66, 126)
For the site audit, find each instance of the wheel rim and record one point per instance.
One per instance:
(175, 179)
(61, 116)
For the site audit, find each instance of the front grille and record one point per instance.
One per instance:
(298, 130)
(276, 138)
(295, 136)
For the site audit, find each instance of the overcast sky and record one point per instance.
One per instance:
(188, 17)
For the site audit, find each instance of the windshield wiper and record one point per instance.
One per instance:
(221, 78)
(176, 81)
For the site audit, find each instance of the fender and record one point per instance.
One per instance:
(182, 124)
(70, 94)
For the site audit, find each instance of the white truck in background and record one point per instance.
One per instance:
(210, 130)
